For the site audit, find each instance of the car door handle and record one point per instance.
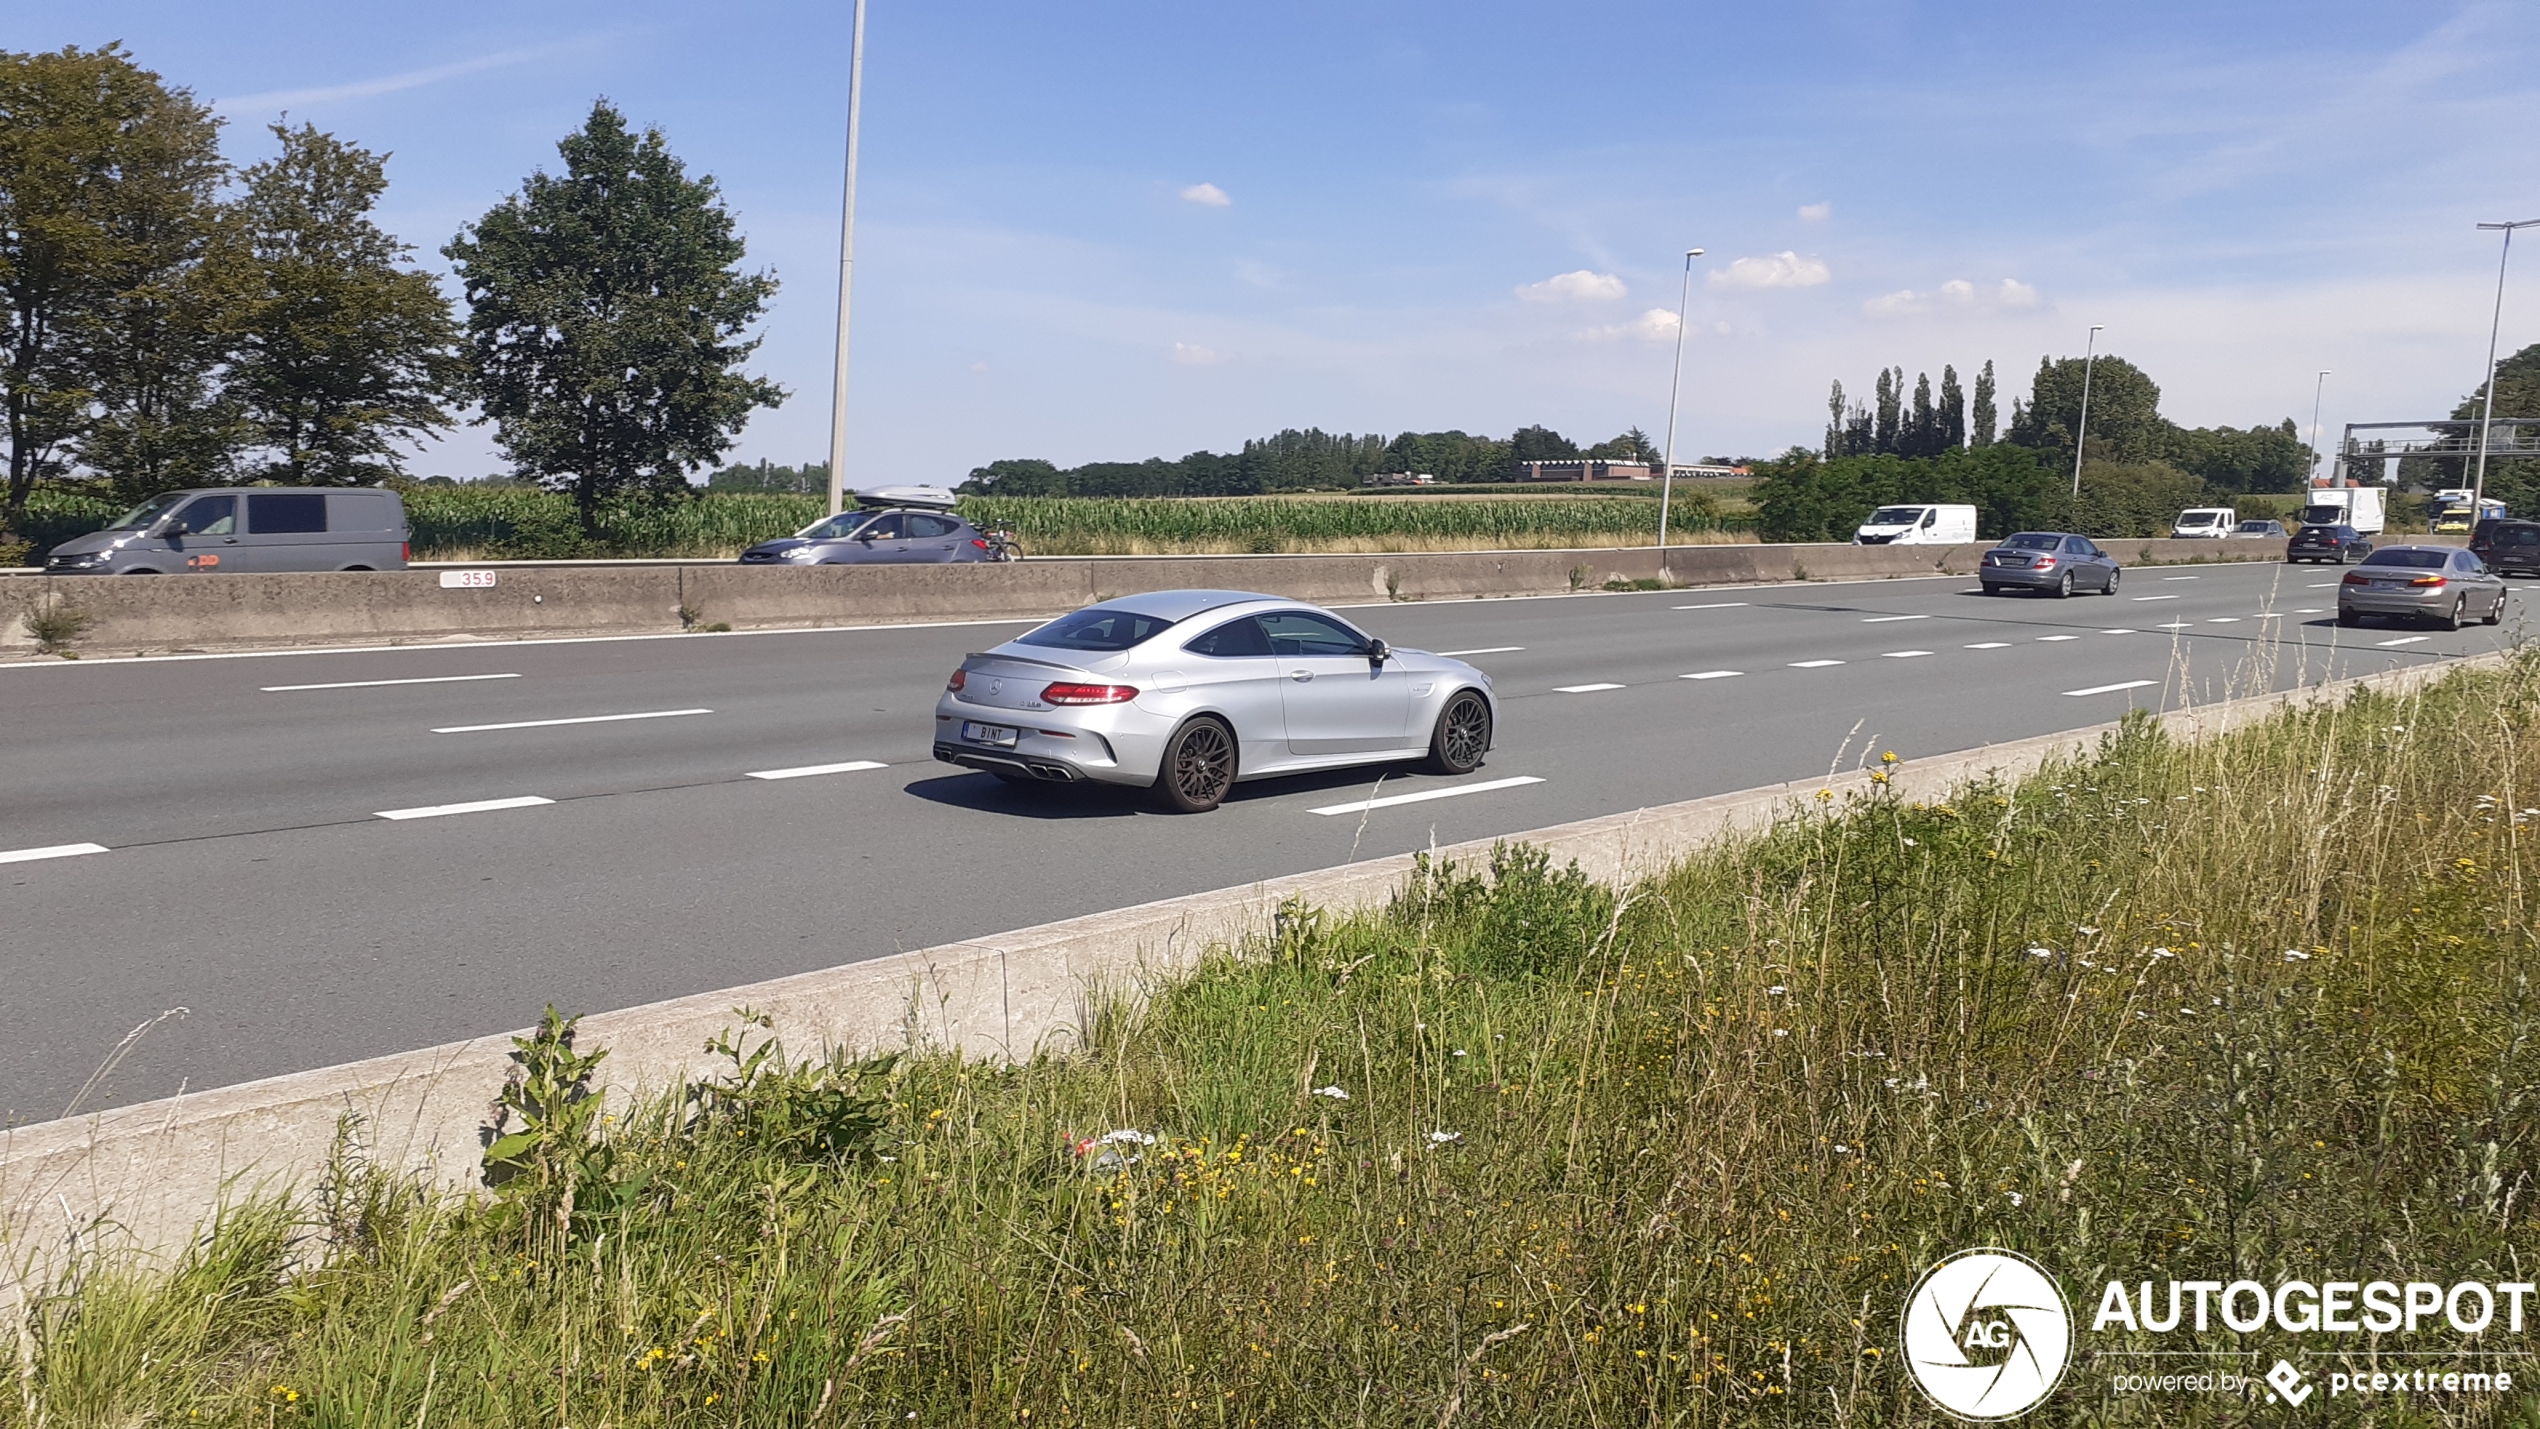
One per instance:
(1300, 676)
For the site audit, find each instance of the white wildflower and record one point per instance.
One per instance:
(1334, 1092)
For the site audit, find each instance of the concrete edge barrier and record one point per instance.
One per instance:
(284, 611)
(147, 1176)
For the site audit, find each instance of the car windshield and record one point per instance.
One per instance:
(2322, 515)
(1101, 628)
(147, 514)
(835, 527)
(2200, 518)
(2033, 541)
(2414, 560)
(1895, 516)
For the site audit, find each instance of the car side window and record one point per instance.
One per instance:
(212, 516)
(881, 528)
(286, 513)
(927, 527)
(1297, 632)
(1233, 640)
(1931, 518)
(2464, 561)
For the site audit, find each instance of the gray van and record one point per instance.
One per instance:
(246, 528)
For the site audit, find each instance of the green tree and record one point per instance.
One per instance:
(1541, 444)
(607, 319)
(1985, 415)
(2234, 459)
(1891, 400)
(342, 353)
(2125, 412)
(2513, 480)
(1953, 410)
(1633, 445)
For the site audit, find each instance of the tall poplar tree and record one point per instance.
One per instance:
(1953, 410)
(1924, 428)
(1890, 403)
(1985, 415)
(607, 319)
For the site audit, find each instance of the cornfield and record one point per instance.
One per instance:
(521, 524)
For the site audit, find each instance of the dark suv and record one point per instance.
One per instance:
(2342, 544)
(2508, 547)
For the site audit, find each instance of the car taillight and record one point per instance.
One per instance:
(2043, 563)
(982, 545)
(406, 552)
(2357, 578)
(959, 679)
(1066, 694)
(2429, 581)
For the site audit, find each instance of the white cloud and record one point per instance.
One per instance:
(1815, 212)
(1902, 303)
(2016, 294)
(1958, 290)
(1782, 270)
(1193, 355)
(1656, 325)
(1956, 295)
(1579, 287)
(277, 99)
(1207, 195)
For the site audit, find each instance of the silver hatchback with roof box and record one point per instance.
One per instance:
(252, 529)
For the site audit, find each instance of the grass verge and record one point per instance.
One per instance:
(1522, 1149)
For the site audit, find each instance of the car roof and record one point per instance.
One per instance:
(1181, 605)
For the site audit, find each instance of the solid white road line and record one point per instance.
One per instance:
(1713, 675)
(1716, 605)
(1903, 654)
(1387, 802)
(480, 806)
(1582, 689)
(2112, 689)
(578, 719)
(1884, 619)
(1991, 645)
(367, 684)
(1485, 650)
(30, 855)
(808, 770)
(1813, 664)
(2404, 640)
(2049, 639)
(2156, 597)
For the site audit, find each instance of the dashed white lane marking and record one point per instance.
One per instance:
(2268, 615)
(808, 770)
(2404, 640)
(1712, 675)
(2050, 639)
(1884, 619)
(578, 719)
(479, 806)
(2175, 625)
(2156, 597)
(1715, 605)
(2224, 620)
(1991, 645)
(2112, 689)
(2182, 578)
(1583, 689)
(30, 855)
(1813, 664)
(2119, 631)
(1485, 650)
(2325, 585)
(2312, 610)
(367, 684)
(1903, 654)
(1387, 802)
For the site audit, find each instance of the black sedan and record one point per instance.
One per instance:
(2342, 544)
(887, 536)
(2049, 561)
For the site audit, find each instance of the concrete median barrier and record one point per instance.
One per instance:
(156, 614)
(144, 1177)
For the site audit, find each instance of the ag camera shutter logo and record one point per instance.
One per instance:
(1987, 1334)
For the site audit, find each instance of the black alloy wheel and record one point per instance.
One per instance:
(1199, 767)
(1462, 736)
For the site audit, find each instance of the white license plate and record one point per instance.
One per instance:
(978, 733)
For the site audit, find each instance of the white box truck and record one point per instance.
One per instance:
(2356, 506)
(1918, 526)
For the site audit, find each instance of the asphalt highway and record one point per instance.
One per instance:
(245, 865)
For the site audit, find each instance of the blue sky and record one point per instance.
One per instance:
(1114, 230)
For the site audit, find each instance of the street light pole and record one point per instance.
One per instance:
(2087, 362)
(1675, 384)
(846, 272)
(2317, 391)
(2487, 419)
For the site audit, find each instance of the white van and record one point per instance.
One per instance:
(1918, 526)
(2212, 521)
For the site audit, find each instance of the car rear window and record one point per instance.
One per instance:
(2033, 541)
(1101, 628)
(285, 513)
(2413, 560)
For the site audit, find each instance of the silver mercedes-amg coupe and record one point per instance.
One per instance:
(1188, 691)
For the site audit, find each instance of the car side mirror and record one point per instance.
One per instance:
(1378, 652)
(174, 529)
